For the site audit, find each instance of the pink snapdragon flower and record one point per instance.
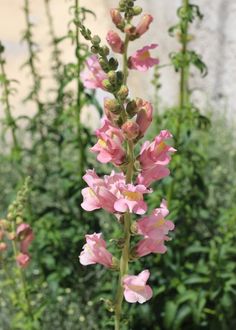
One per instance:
(115, 42)
(25, 234)
(113, 194)
(144, 115)
(95, 252)
(155, 226)
(109, 145)
(148, 245)
(141, 60)
(154, 157)
(93, 75)
(23, 260)
(143, 25)
(136, 289)
(116, 16)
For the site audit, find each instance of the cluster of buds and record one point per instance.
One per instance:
(13, 229)
(124, 124)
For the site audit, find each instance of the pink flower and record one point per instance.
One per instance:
(109, 145)
(25, 234)
(141, 60)
(116, 16)
(115, 42)
(143, 25)
(144, 115)
(154, 158)
(93, 75)
(148, 245)
(113, 194)
(23, 260)
(135, 288)
(155, 226)
(95, 252)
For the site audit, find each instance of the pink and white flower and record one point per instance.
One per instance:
(95, 252)
(25, 235)
(154, 158)
(115, 42)
(141, 60)
(155, 226)
(109, 145)
(144, 24)
(93, 75)
(148, 245)
(23, 260)
(136, 289)
(144, 115)
(113, 194)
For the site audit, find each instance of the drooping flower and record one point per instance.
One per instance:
(95, 252)
(113, 194)
(93, 75)
(143, 25)
(136, 289)
(25, 235)
(154, 157)
(148, 245)
(109, 145)
(115, 42)
(144, 115)
(23, 259)
(141, 60)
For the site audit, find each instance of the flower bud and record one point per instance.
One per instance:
(113, 63)
(103, 65)
(130, 130)
(132, 108)
(123, 92)
(11, 236)
(115, 42)
(143, 25)
(107, 85)
(116, 16)
(112, 77)
(4, 224)
(105, 50)
(96, 40)
(112, 105)
(137, 10)
(3, 246)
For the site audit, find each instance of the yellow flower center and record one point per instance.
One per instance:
(145, 55)
(102, 143)
(133, 196)
(159, 223)
(160, 147)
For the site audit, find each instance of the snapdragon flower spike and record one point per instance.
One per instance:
(93, 75)
(153, 158)
(95, 252)
(155, 226)
(113, 194)
(109, 145)
(115, 42)
(141, 60)
(136, 289)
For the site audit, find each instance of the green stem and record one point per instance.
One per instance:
(124, 260)
(78, 99)
(183, 87)
(7, 108)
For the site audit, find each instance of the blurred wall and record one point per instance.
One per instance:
(214, 38)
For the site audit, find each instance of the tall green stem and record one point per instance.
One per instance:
(78, 98)
(183, 85)
(124, 260)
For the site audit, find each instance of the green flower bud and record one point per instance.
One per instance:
(123, 92)
(96, 40)
(112, 77)
(137, 10)
(113, 63)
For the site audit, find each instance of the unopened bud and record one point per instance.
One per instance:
(19, 220)
(3, 246)
(107, 85)
(113, 63)
(130, 130)
(137, 10)
(131, 108)
(96, 40)
(103, 65)
(123, 92)
(112, 77)
(143, 25)
(112, 105)
(116, 16)
(4, 224)
(105, 50)
(11, 236)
